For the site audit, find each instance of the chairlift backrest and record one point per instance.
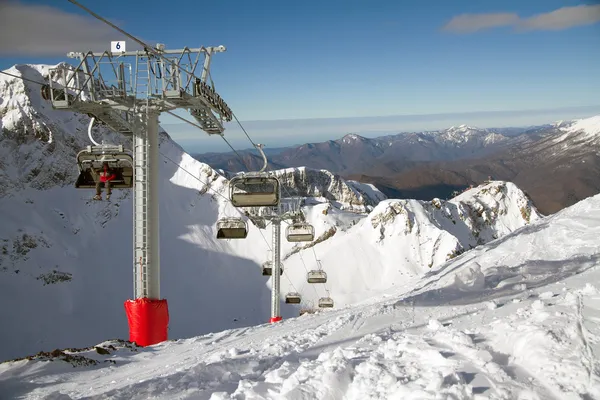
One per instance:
(300, 232)
(232, 228)
(267, 268)
(94, 156)
(254, 191)
(316, 276)
(293, 298)
(325, 302)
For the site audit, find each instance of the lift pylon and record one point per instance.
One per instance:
(127, 91)
(276, 215)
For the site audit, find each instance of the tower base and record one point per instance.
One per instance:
(275, 319)
(148, 320)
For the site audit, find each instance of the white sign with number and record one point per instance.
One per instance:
(117, 47)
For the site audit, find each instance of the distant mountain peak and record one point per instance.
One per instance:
(353, 137)
(464, 128)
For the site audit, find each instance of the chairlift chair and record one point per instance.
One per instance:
(119, 160)
(307, 311)
(325, 302)
(267, 268)
(293, 298)
(316, 276)
(256, 190)
(300, 232)
(232, 228)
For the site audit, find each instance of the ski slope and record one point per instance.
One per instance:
(518, 318)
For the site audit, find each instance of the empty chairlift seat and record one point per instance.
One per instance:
(232, 228)
(267, 268)
(90, 160)
(325, 302)
(254, 191)
(300, 232)
(316, 276)
(293, 298)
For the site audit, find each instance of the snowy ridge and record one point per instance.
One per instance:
(580, 131)
(401, 239)
(513, 319)
(348, 195)
(463, 134)
(588, 126)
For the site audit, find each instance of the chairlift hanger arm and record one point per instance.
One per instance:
(262, 153)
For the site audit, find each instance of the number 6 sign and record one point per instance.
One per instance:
(117, 47)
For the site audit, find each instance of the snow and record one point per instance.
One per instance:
(583, 130)
(438, 340)
(371, 191)
(590, 126)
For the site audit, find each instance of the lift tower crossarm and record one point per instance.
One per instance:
(159, 53)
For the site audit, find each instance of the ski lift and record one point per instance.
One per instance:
(255, 189)
(300, 232)
(325, 302)
(92, 158)
(267, 268)
(316, 276)
(232, 228)
(307, 311)
(293, 298)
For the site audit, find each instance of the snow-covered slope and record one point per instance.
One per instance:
(514, 319)
(580, 130)
(404, 238)
(65, 261)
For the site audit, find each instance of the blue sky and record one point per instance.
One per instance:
(350, 58)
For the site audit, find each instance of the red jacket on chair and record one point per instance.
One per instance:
(107, 175)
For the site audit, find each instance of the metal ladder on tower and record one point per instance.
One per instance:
(141, 152)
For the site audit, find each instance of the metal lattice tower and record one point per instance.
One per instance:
(288, 209)
(128, 91)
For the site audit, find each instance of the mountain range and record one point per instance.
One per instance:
(425, 165)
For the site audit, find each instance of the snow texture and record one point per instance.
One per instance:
(517, 318)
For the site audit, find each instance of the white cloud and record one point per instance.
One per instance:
(468, 23)
(39, 30)
(563, 18)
